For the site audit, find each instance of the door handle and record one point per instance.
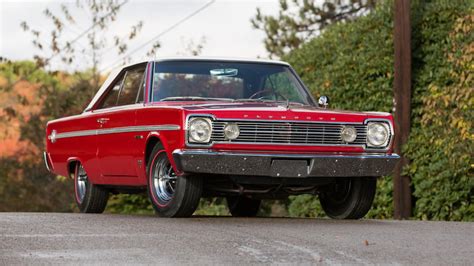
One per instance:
(102, 120)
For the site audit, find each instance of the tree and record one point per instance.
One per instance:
(102, 15)
(301, 20)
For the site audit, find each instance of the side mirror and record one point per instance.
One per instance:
(323, 101)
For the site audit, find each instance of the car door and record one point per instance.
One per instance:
(116, 119)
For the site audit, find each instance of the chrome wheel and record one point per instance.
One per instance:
(164, 181)
(81, 184)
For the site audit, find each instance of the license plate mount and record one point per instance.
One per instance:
(289, 168)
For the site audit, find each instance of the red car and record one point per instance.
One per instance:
(247, 130)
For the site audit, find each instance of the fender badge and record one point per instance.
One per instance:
(52, 136)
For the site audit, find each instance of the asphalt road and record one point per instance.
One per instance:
(45, 238)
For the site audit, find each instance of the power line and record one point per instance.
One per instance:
(194, 13)
(91, 27)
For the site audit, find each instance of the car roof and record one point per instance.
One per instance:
(226, 59)
(202, 58)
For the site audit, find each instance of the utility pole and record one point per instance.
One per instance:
(402, 97)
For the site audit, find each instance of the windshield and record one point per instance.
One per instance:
(227, 81)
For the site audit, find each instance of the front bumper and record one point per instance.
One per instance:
(284, 165)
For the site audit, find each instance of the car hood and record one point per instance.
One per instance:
(272, 111)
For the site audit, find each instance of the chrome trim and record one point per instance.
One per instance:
(208, 120)
(45, 159)
(364, 146)
(391, 137)
(290, 133)
(288, 155)
(186, 133)
(94, 132)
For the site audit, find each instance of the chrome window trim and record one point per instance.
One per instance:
(96, 132)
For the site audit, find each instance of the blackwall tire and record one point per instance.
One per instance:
(240, 206)
(171, 195)
(89, 198)
(351, 198)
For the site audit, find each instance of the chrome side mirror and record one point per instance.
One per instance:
(323, 101)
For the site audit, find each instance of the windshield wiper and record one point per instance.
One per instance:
(193, 98)
(251, 100)
(270, 101)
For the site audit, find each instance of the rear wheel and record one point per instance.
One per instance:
(171, 195)
(240, 206)
(90, 198)
(350, 198)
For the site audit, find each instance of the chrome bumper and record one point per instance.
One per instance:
(284, 165)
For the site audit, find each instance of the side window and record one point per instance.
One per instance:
(131, 86)
(112, 96)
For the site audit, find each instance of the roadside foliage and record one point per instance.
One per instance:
(351, 62)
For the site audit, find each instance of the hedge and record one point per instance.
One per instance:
(352, 63)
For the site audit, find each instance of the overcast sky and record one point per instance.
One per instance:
(225, 25)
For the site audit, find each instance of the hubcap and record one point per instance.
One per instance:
(81, 183)
(164, 181)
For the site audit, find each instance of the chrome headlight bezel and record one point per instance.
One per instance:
(191, 137)
(378, 127)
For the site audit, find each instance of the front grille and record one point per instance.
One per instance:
(288, 133)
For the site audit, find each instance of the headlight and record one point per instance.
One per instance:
(231, 131)
(199, 130)
(377, 134)
(348, 134)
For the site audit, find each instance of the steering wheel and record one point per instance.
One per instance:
(269, 92)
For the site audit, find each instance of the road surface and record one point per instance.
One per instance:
(44, 238)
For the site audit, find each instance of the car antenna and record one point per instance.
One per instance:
(287, 104)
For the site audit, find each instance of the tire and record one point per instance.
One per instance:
(351, 198)
(89, 198)
(242, 206)
(171, 195)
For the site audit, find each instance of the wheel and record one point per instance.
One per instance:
(242, 206)
(171, 195)
(351, 198)
(90, 198)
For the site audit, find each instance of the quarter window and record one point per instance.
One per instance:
(112, 96)
(131, 86)
(128, 89)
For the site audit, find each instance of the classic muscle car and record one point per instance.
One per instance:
(247, 130)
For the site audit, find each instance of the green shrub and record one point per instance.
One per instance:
(441, 143)
(352, 63)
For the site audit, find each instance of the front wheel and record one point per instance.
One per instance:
(349, 198)
(90, 198)
(171, 195)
